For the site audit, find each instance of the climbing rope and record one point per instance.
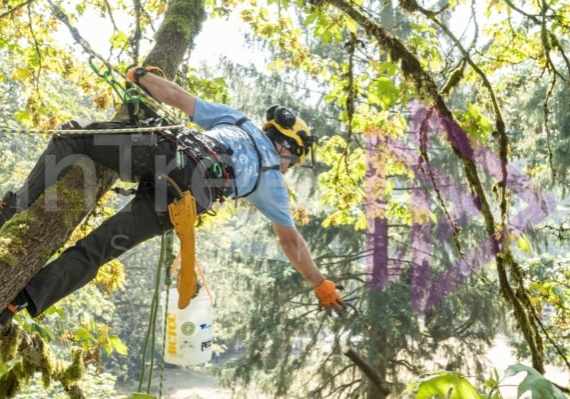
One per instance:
(168, 260)
(168, 282)
(165, 260)
(107, 75)
(90, 131)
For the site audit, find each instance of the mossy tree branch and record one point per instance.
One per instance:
(427, 90)
(35, 356)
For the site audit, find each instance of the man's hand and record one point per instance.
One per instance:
(137, 72)
(328, 297)
(153, 81)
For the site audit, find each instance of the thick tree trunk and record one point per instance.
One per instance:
(181, 25)
(31, 238)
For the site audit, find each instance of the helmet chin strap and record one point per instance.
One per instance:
(294, 159)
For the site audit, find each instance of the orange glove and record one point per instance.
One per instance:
(328, 297)
(137, 72)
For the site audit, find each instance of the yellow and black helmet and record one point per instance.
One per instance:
(284, 127)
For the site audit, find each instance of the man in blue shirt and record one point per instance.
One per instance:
(252, 160)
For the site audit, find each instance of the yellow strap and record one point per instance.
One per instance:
(203, 278)
(175, 265)
(183, 217)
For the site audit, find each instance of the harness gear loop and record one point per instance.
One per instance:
(217, 170)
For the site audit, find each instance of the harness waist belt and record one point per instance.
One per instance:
(215, 160)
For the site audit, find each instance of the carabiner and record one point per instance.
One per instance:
(107, 75)
(94, 68)
(129, 97)
(217, 170)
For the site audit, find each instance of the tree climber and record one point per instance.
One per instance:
(231, 149)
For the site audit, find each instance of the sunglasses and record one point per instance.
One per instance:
(293, 159)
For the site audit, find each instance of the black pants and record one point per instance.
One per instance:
(136, 157)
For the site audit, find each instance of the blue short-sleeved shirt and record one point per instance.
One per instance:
(270, 197)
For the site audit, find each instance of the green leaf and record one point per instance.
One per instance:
(82, 334)
(383, 92)
(119, 345)
(24, 117)
(326, 36)
(44, 331)
(524, 244)
(441, 385)
(310, 18)
(119, 40)
(534, 382)
(350, 24)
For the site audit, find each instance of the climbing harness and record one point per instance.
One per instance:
(213, 158)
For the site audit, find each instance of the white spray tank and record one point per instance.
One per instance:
(189, 331)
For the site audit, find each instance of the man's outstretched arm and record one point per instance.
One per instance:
(298, 253)
(295, 248)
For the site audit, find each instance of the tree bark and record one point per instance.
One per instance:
(182, 23)
(31, 238)
(379, 389)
